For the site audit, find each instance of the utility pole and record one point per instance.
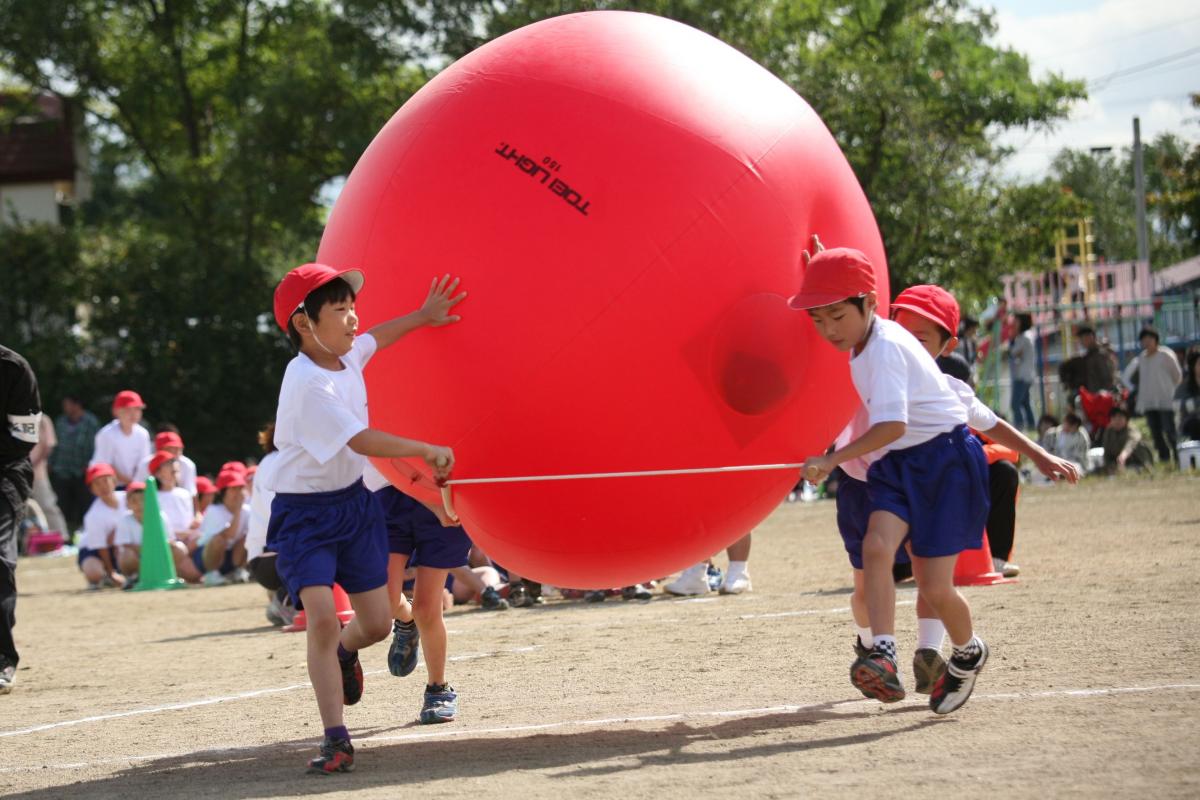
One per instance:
(1139, 191)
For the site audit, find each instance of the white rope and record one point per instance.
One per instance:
(448, 500)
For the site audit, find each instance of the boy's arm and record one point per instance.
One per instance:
(435, 312)
(370, 442)
(1050, 466)
(879, 436)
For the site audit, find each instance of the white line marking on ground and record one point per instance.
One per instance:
(442, 733)
(810, 612)
(209, 701)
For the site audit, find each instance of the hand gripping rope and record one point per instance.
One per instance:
(447, 486)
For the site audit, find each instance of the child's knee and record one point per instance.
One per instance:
(428, 613)
(938, 594)
(876, 547)
(324, 626)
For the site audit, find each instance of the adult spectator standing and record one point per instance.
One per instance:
(43, 492)
(123, 443)
(1158, 377)
(1024, 372)
(1097, 372)
(22, 409)
(75, 430)
(968, 345)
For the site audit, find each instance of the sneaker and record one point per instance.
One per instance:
(595, 596)
(534, 590)
(636, 592)
(957, 683)
(877, 676)
(440, 704)
(214, 578)
(337, 755)
(1005, 568)
(280, 610)
(518, 596)
(352, 680)
(239, 575)
(93, 587)
(8, 674)
(130, 582)
(406, 642)
(736, 583)
(692, 581)
(861, 651)
(273, 615)
(715, 577)
(490, 600)
(928, 666)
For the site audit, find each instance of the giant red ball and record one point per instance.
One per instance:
(626, 200)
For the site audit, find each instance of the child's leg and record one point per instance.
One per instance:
(401, 609)
(93, 569)
(885, 532)
(185, 567)
(469, 584)
(427, 610)
(372, 619)
(322, 641)
(130, 559)
(858, 609)
(935, 584)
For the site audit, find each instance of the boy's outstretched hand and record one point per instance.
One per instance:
(817, 469)
(440, 300)
(441, 459)
(1056, 468)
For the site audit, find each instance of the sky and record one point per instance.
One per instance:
(1140, 57)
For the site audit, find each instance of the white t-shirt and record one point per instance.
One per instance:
(129, 530)
(101, 520)
(1024, 358)
(319, 412)
(373, 479)
(260, 506)
(187, 472)
(176, 506)
(979, 416)
(217, 519)
(899, 382)
(123, 452)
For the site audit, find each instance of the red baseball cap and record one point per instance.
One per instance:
(98, 471)
(250, 471)
(160, 458)
(933, 303)
(167, 439)
(128, 399)
(832, 276)
(135, 486)
(204, 485)
(297, 284)
(230, 478)
(233, 466)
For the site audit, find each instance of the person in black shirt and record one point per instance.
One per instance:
(21, 408)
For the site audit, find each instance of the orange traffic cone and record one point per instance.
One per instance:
(341, 603)
(974, 568)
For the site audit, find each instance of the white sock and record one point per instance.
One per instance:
(736, 570)
(930, 634)
(864, 636)
(887, 644)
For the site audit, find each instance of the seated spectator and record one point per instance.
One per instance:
(169, 440)
(1187, 397)
(97, 548)
(1045, 424)
(221, 551)
(1123, 445)
(129, 540)
(1068, 441)
(174, 501)
(206, 492)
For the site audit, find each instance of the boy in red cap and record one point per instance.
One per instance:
(129, 539)
(97, 547)
(930, 314)
(325, 526)
(929, 485)
(222, 547)
(124, 443)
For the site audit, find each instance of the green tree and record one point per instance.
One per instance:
(214, 125)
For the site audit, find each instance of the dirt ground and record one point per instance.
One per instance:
(1092, 688)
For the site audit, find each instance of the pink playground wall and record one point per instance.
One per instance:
(1124, 282)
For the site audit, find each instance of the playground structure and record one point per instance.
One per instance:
(1117, 300)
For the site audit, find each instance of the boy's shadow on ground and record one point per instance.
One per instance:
(276, 769)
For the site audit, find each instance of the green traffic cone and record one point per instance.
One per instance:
(158, 566)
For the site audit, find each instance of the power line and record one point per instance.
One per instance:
(1136, 68)
(1126, 37)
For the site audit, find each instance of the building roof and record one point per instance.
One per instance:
(36, 139)
(1178, 275)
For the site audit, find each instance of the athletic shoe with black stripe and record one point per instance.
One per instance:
(337, 755)
(955, 686)
(352, 680)
(928, 666)
(406, 641)
(877, 676)
(440, 704)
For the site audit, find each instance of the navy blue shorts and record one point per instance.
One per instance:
(225, 567)
(940, 488)
(415, 531)
(853, 514)
(87, 552)
(324, 538)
